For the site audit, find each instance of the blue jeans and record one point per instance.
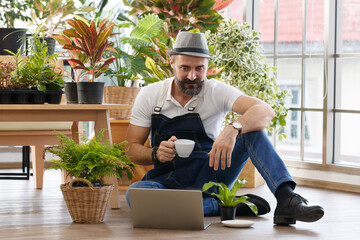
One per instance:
(255, 145)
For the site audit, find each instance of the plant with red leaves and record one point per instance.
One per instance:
(86, 44)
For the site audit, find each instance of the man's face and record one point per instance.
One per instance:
(190, 73)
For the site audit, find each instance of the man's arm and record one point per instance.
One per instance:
(256, 115)
(142, 155)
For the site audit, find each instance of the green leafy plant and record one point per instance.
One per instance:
(11, 10)
(51, 14)
(180, 14)
(38, 70)
(238, 52)
(87, 44)
(228, 197)
(6, 68)
(141, 46)
(93, 159)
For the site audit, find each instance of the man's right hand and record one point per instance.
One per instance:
(166, 151)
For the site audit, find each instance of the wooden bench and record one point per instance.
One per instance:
(34, 134)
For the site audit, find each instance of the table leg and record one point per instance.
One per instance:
(75, 131)
(38, 165)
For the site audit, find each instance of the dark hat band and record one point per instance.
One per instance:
(198, 50)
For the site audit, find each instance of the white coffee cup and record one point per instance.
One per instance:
(184, 147)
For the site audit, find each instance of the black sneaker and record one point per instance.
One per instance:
(295, 208)
(263, 206)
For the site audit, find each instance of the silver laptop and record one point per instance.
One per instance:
(167, 208)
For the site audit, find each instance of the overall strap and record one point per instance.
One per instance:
(162, 99)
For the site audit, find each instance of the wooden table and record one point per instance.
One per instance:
(99, 113)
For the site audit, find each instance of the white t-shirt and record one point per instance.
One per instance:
(216, 99)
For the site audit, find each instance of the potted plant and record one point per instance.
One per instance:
(51, 16)
(237, 50)
(89, 41)
(89, 161)
(11, 38)
(130, 63)
(6, 68)
(228, 199)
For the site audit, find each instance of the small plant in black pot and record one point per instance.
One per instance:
(88, 42)
(228, 200)
(6, 68)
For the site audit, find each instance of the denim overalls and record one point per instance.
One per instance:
(194, 171)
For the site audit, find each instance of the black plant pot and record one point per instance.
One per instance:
(50, 42)
(36, 97)
(227, 213)
(53, 96)
(71, 93)
(5, 96)
(20, 96)
(12, 39)
(90, 92)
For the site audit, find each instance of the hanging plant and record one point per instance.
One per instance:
(237, 50)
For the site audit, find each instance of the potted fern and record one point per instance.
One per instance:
(87, 163)
(89, 41)
(228, 199)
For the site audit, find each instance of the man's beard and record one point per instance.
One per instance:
(191, 90)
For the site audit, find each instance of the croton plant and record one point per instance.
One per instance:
(182, 14)
(86, 44)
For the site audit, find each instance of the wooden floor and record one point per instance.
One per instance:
(27, 213)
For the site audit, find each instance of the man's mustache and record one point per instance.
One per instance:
(188, 81)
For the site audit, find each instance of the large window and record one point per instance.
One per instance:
(315, 45)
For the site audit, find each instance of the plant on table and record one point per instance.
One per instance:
(88, 42)
(237, 50)
(39, 69)
(6, 68)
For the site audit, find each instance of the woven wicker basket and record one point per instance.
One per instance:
(86, 204)
(120, 95)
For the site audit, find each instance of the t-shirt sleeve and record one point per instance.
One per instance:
(228, 94)
(142, 109)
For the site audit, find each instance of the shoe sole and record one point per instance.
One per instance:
(310, 216)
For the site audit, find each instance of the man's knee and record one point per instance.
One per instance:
(143, 184)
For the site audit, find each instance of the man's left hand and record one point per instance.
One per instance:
(223, 148)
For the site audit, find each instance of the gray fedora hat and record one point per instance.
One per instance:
(189, 43)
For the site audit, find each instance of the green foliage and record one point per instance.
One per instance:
(181, 14)
(237, 50)
(51, 14)
(6, 68)
(86, 44)
(11, 10)
(37, 70)
(92, 159)
(143, 43)
(227, 196)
